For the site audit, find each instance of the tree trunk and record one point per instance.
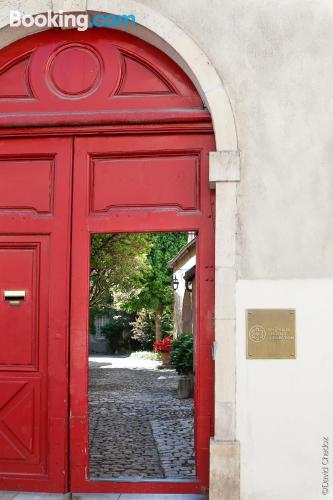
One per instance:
(158, 323)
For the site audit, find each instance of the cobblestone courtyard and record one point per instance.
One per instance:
(137, 426)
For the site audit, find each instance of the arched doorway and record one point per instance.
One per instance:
(86, 118)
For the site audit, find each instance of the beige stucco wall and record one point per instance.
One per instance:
(275, 59)
(284, 407)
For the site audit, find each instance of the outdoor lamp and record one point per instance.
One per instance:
(175, 282)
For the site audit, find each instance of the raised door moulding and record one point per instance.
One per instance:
(20, 415)
(87, 77)
(26, 184)
(19, 263)
(112, 178)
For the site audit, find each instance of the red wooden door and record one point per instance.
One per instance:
(142, 181)
(128, 184)
(35, 197)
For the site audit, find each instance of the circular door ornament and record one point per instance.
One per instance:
(80, 83)
(257, 333)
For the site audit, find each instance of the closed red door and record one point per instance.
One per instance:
(35, 200)
(135, 184)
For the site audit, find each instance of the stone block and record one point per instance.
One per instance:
(224, 470)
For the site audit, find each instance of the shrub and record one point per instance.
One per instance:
(143, 327)
(117, 331)
(182, 354)
(143, 330)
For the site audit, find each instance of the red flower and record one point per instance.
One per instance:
(163, 345)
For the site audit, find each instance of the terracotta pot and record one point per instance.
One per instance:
(165, 358)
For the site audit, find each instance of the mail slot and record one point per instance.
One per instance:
(14, 297)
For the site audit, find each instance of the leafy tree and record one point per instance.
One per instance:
(117, 261)
(129, 272)
(154, 292)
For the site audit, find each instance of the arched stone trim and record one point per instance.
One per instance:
(163, 33)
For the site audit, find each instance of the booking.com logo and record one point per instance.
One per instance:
(66, 20)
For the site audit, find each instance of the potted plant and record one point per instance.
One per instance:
(182, 361)
(164, 348)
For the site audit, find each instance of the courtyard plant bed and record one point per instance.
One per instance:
(182, 361)
(147, 355)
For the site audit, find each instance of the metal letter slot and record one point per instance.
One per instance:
(14, 297)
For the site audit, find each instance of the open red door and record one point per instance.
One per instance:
(136, 184)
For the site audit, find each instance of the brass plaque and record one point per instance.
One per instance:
(270, 334)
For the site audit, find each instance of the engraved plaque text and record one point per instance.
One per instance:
(270, 334)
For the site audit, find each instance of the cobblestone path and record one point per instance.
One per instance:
(137, 426)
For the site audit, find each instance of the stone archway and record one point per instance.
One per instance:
(224, 176)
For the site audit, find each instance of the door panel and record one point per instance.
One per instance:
(123, 182)
(27, 184)
(35, 201)
(137, 184)
(19, 270)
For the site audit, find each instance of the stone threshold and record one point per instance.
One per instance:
(16, 495)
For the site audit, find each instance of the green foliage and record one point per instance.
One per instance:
(154, 292)
(129, 271)
(117, 262)
(156, 289)
(182, 354)
(92, 316)
(117, 331)
(143, 327)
